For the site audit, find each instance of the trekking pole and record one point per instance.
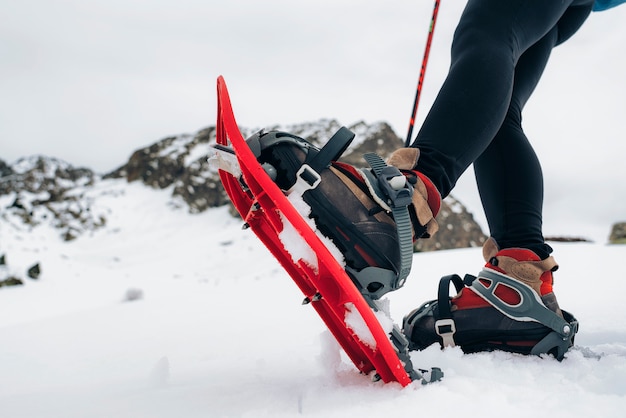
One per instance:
(422, 73)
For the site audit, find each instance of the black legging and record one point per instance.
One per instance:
(499, 52)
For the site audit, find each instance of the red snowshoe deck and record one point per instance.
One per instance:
(324, 283)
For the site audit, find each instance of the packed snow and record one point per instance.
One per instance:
(166, 314)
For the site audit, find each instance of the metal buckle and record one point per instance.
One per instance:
(447, 336)
(306, 179)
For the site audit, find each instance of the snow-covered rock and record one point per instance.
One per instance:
(40, 190)
(180, 162)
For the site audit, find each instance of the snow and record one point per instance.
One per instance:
(355, 321)
(166, 314)
(296, 246)
(362, 130)
(177, 146)
(293, 242)
(199, 151)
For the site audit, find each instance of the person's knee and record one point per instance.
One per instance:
(572, 20)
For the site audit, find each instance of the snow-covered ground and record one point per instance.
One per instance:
(166, 314)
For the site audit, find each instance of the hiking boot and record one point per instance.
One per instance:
(351, 206)
(510, 306)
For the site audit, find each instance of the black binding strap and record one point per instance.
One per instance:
(444, 324)
(317, 159)
(331, 151)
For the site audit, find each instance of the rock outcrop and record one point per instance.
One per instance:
(180, 162)
(41, 189)
(618, 233)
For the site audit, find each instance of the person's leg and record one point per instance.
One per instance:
(484, 315)
(508, 173)
(473, 101)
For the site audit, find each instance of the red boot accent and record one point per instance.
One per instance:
(468, 299)
(522, 254)
(434, 198)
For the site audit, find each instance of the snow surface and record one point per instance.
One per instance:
(166, 314)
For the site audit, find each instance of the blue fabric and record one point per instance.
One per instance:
(601, 5)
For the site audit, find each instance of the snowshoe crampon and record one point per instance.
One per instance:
(269, 174)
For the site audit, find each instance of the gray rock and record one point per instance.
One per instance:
(49, 190)
(34, 271)
(618, 233)
(182, 161)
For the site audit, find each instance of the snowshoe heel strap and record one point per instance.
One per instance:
(331, 151)
(309, 174)
(444, 324)
(317, 159)
(262, 140)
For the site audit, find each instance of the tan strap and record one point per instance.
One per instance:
(404, 158)
(528, 272)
